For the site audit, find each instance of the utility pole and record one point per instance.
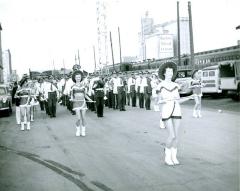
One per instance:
(1, 63)
(79, 59)
(112, 50)
(191, 36)
(94, 58)
(178, 33)
(120, 48)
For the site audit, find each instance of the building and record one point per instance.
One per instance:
(160, 40)
(7, 66)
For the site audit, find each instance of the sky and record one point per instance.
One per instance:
(47, 34)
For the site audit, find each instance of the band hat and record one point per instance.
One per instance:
(162, 69)
(76, 73)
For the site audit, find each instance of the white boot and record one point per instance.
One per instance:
(28, 126)
(78, 132)
(168, 158)
(195, 113)
(83, 131)
(199, 113)
(22, 126)
(18, 115)
(31, 117)
(161, 124)
(174, 155)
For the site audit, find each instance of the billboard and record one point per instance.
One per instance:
(166, 45)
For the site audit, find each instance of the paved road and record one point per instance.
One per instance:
(122, 152)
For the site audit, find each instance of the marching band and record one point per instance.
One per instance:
(79, 93)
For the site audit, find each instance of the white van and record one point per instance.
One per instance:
(211, 80)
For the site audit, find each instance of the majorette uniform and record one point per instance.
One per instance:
(170, 109)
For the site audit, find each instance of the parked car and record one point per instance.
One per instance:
(5, 99)
(184, 80)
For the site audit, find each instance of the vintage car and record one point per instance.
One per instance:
(184, 80)
(5, 100)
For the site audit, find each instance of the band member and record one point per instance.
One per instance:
(121, 93)
(171, 111)
(147, 91)
(114, 82)
(137, 88)
(66, 91)
(143, 83)
(98, 87)
(51, 96)
(33, 102)
(196, 85)
(131, 89)
(40, 93)
(78, 95)
(154, 84)
(23, 92)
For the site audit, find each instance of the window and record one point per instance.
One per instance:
(227, 70)
(2, 91)
(205, 74)
(211, 73)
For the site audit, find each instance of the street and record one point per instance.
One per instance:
(123, 151)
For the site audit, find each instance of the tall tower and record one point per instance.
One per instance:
(102, 33)
(1, 63)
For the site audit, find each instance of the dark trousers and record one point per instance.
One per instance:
(99, 106)
(115, 101)
(121, 100)
(110, 98)
(41, 103)
(128, 98)
(64, 100)
(46, 107)
(141, 100)
(134, 98)
(92, 104)
(147, 97)
(52, 103)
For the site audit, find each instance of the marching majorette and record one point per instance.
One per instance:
(171, 110)
(78, 95)
(196, 85)
(23, 92)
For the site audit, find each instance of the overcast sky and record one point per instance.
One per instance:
(40, 31)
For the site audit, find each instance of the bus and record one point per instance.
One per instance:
(230, 78)
(211, 80)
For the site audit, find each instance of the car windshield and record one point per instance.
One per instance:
(2, 91)
(184, 74)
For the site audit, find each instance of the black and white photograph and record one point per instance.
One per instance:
(119, 95)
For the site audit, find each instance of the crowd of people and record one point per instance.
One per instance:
(79, 92)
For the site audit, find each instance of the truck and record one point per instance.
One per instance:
(230, 78)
